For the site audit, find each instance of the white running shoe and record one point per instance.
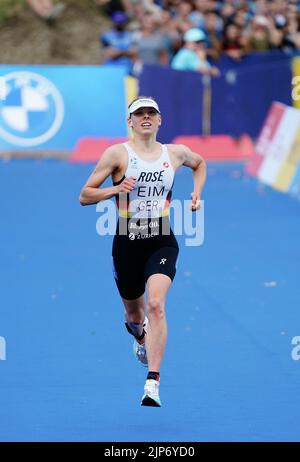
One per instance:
(151, 394)
(139, 349)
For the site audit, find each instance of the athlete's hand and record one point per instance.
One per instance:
(195, 202)
(127, 185)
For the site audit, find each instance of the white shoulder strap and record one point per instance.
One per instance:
(129, 150)
(165, 152)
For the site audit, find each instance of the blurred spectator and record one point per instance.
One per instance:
(234, 27)
(241, 18)
(118, 42)
(197, 15)
(261, 7)
(148, 6)
(213, 28)
(263, 35)
(168, 27)
(136, 15)
(192, 56)
(181, 17)
(153, 46)
(227, 12)
(232, 43)
(172, 6)
(291, 39)
(46, 9)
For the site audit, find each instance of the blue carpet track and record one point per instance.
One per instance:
(69, 373)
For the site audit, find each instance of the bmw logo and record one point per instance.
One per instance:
(31, 109)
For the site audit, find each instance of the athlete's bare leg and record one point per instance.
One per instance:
(135, 310)
(158, 286)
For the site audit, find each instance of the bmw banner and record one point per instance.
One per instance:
(51, 107)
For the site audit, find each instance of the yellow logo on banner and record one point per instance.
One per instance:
(296, 83)
(289, 167)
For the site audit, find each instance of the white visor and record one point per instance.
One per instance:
(143, 102)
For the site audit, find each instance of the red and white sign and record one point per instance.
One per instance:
(278, 150)
(265, 137)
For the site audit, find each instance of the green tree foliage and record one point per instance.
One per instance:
(10, 8)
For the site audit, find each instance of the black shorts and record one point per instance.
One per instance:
(134, 261)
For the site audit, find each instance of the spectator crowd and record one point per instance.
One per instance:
(192, 34)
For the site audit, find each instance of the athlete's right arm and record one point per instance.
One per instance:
(108, 163)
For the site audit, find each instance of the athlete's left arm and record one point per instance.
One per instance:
(198, 165)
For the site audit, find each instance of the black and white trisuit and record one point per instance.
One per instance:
(144, 244)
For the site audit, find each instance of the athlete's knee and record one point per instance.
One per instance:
(156, 307)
